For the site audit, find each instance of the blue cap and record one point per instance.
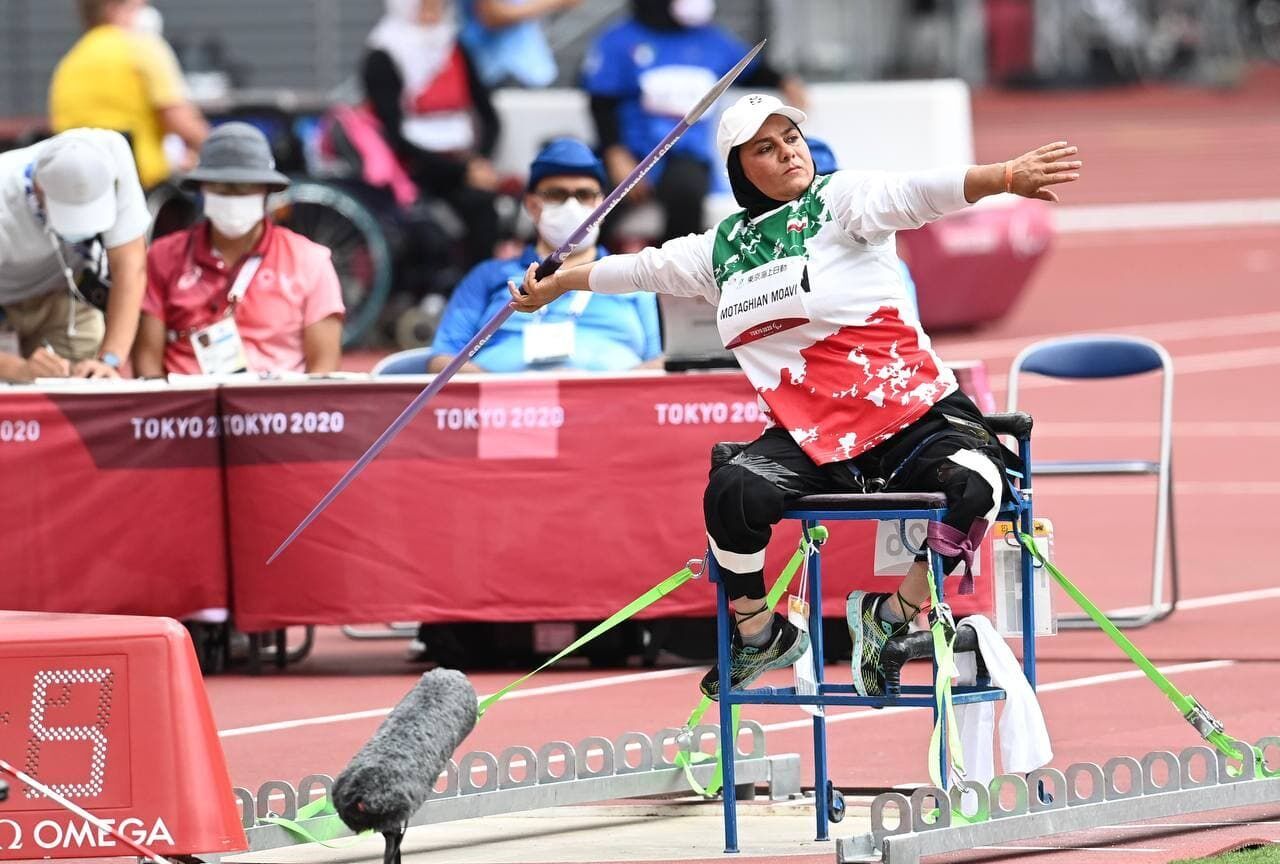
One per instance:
(565, 156)
(824, 161)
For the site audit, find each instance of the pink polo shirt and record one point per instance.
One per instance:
(294, 287)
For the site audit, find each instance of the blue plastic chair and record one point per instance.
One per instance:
(1109, 356)
(898, 507)
(412, 361)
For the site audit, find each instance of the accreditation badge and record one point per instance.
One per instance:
(219, 349)
(548, 342)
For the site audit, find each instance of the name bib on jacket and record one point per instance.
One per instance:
(762, 301)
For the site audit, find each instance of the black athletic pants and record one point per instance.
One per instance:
(748, 493)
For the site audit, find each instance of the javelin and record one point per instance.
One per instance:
(83, 814)
(549, 265)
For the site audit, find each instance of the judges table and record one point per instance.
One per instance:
(509, 498)
(111, 499)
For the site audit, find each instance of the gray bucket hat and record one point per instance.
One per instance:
(236, 152)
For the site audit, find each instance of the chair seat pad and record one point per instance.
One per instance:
(871, 501)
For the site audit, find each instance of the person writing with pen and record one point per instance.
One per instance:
(72, 226)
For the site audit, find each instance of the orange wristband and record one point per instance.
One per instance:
(1008, 177)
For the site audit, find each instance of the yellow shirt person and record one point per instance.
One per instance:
(117, 77)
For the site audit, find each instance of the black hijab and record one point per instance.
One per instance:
(746, 193)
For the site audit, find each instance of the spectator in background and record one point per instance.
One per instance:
(824, 162)
(122, 76)
(595, 332)
(506, 42)
(435, 112)
(234, 291)
(642, 75)
(69, 205)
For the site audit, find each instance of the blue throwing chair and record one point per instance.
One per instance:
(810, 510)
(409, 362)
(1107, 356)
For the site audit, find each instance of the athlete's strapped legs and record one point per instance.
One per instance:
(968, 472)
(748, 493)
(970, 475)
(746, 496)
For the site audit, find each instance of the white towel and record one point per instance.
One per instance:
(1024, 739)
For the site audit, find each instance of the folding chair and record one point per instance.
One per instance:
(1104, 356)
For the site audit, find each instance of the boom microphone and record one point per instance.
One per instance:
(389, 779)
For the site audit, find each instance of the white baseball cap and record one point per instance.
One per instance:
(742, 120)
(79, 186)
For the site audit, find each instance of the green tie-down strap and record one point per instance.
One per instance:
(326, 829)
(648, 598)
(686, 758)
(1195, 714)
(945, 654)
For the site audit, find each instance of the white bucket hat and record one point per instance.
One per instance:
(742, 120)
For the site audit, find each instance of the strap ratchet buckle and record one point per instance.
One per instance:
(1200, 718)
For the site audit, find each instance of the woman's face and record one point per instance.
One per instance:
(777, 159)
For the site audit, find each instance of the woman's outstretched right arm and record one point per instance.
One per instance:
(681, 266)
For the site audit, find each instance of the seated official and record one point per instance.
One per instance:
(73, 221)
(583, 331)
(236, 292)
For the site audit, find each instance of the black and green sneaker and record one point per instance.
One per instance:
(869, 634)
(747, 663)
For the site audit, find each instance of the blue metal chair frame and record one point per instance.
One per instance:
(811, 510)
(1109, 356)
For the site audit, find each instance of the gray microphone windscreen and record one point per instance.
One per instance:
(389, 779)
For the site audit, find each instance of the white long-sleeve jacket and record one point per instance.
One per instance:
(810, 300)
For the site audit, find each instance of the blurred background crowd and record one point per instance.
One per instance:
(400, 129)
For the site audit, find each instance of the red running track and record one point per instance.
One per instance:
(1207, 294)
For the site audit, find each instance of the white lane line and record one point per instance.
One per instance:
(1147, 826)
(1161, 331)
(1181, 429)
(1211, 601)
(1070, 684)
(1092, 218)
(570, 687)
(1048, 488)
(1052, 687)
(1112, 849)
(1216, 361)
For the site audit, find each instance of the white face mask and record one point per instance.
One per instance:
(558, 221)
(234, 215)
(693, 13)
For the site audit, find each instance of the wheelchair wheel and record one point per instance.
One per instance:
(835, 804)
(333, 218)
